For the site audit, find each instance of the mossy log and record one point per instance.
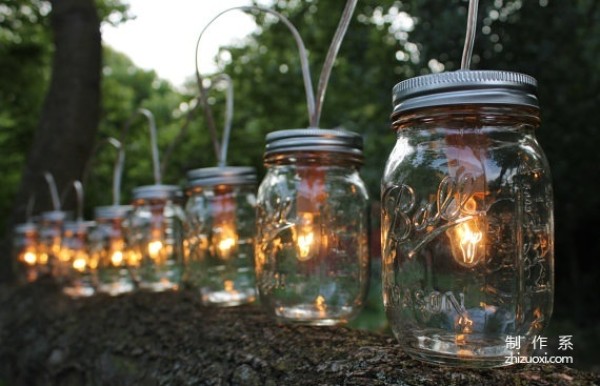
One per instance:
(171, 339)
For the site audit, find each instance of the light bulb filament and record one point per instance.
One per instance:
(305, 242)
(468, 241)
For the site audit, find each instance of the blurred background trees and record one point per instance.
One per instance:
(558, 42)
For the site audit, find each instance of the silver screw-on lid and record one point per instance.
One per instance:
(78, 226)
(112, 212)
(465, 87)
(225, 175)
(54, 216)
(24, 228)
(313, 139)
(157, 192)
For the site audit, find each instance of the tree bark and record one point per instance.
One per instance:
(70, 114)
(170, 338)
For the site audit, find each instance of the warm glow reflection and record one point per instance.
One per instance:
(465, 324)
(320, 305)
(229, 286)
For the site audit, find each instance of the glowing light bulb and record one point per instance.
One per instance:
(468, 241)
(154, 249)
(29, 257)
(43, 258)
(310, 242)
(467, 237)
(305, 239)
(132, 257)
(116, 258)
(224, 240)
(79, 263)
(224, 233)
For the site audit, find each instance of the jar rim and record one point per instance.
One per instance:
(314, 140)
(221, 175)
(465, 87)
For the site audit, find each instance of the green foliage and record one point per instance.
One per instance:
(24, 72)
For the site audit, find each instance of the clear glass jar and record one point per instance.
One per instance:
(312, 253)
(50, 232)
(156, 234)
(77, 268)
(467, 219)
(220, 214)
(112, 250)
(26, 252)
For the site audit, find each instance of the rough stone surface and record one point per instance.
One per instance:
(170, 338)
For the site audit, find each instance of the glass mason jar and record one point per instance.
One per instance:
(50, 232)
(26, 252)
(156, 230)
(312, 253)
(467, 219)
(220, 213)
(77, 268)
(110, 247)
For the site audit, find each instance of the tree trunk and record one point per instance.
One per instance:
(170, 338)
(69, 120)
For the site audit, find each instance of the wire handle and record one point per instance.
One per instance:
(53, 190)
(180, 135)
(314, 108)
(222, 158)
(334, 48)
(88, 167)
(308, 88)
(470, 35)
(79, 196)
(222, 153)
(118, 170)
(78, 186)
(29, 209)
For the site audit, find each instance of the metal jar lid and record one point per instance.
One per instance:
(157, 192)
(78, 226)
(54, 216)
(225, 175)
(315, 140)
(465, 87)
(111, 212)
(24, 228)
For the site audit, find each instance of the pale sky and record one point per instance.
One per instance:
(163, 35)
